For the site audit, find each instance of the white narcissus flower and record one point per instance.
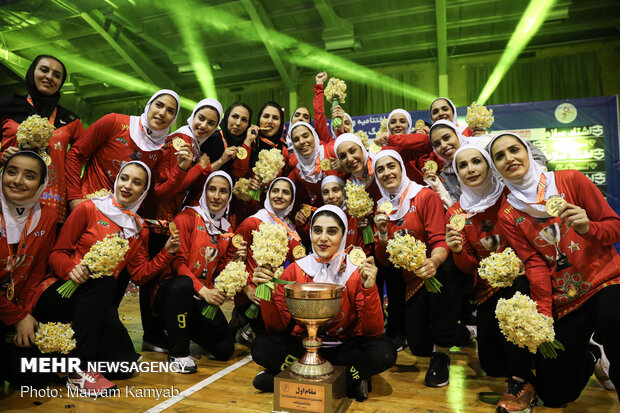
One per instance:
(336, 88)
(55, 338)
(479, 116)
(359, 202)
(270, 163)
(232, 279)
(34, 133)
(500, 269)
(269, 245)
(105, 255)
(406, 252)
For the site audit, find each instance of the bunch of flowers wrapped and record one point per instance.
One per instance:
(335, 92)
(230, 281)
(270, 163)
(102, 193)
(479, 116)
(383, 128)
(101, 260)
(500, 269)
(409, 253)
(523, 325)
(34, 133)
(364, 138)
(360, 205)
(55, 338)
(242, 189)
(269, 249)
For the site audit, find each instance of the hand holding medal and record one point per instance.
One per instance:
(574, 216)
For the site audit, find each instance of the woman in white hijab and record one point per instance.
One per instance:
(88, 308)
(183, 293)
(564, 230)
(480, 203)
(117, 138)
(354, 339)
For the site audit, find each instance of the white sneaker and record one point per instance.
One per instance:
(601, 368)
(183, 365)
(89, 383)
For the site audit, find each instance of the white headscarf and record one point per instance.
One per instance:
(289, 138)
(480, 198)
(346, 115)
(307, 165)
(401, 197)
(187, 129)
(264, 214)
(130, 225)
(407, 116)
(459, 128)
(328, 271)
(141, 132)
(335, 178)
(365, 178)
(524, 191)
(16, 213)
(216, 223)
(462, 139)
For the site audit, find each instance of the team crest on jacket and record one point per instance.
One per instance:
(121, 140)
(519, 220)
(105, 224)
(570, 286)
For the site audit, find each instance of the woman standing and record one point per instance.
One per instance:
(44, 78)
(571, 264)
(357, 340)
(117, 138)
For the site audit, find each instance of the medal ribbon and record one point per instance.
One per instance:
(52, 118)
(21, 246)
(291, 231)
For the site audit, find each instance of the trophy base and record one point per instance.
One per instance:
(313, 371)
(296, 394)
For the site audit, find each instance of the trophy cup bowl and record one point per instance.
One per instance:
(312, 304)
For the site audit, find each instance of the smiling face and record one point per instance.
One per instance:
(388, 173)
(303, 140)
(398, 124)
(332, 194)
(21, 178)
(326, 236)
(217, 193)
(271, 120)
(132, 181)
(281, 195)
(472, 167)
(238, 120)
(441, 109)
(301, 114)
(48, 75)
(204, 123)
(351, 157)
(161, 112)
(445, 141)
(346, 125)
(510, 157)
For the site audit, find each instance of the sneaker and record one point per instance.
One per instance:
(601, 368)
(89, 383)
(263, 381)
(159, 348)
(438, 373)
(519, 397)
(245, 335)
(183, 365)
(361, 389)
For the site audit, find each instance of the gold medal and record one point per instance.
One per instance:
(357, 256)
(299, 252)
(46, 158)
(386, 207)
(457, 221)
(374, 148)
(237, 240)
(178, 143)
(325, 164)
(306, 210)
(242, 153)
(172, 227)
(554, 204)
(431, 166)
(10, 290)
(419, 125)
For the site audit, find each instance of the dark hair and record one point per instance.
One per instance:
(168, 94)
(138, 165)
(329, 214)
(299, 107)
(209, 107)
(501, 136)
(285, 180)
(278, 134)
(32, 155)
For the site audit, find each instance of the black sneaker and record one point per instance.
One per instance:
(263, 381)
(438, 373)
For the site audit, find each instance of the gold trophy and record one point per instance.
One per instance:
(312, 383)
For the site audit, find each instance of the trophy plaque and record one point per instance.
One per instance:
(312, 384)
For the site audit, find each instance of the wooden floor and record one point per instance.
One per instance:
(400, 389)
